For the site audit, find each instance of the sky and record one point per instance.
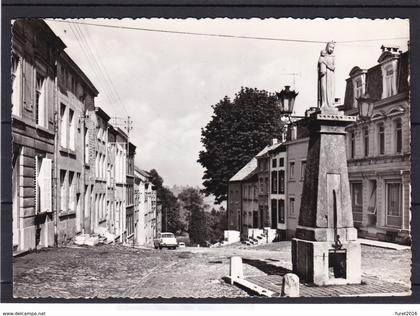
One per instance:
(168, 82)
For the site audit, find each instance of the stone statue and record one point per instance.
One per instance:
(326, 82)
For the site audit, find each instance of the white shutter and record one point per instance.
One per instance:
(45, 185)
(36, 189)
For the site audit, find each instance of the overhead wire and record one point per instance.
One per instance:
(89, 60)
(226, 35)
(97, 59)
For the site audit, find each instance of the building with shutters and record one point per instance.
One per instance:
(35, 49)
(98, 212)
(75, 99)
(379, 148)
(120, 144)
(296, 152)
(147, 217)
(129, 213)
(277, 194)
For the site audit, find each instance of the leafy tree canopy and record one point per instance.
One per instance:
(171, 220)
(237, 131)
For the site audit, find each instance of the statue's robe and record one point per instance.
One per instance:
(326, 87)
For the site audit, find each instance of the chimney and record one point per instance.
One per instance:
(274, 141)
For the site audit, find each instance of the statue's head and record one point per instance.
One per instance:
(330, 47)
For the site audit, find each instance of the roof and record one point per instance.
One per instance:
(267, 149)
(102, 113)
(70, 62)
(374, 80)
(144, 173)
(245, 171)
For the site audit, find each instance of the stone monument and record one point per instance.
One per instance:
(325, 250)
(326, 76)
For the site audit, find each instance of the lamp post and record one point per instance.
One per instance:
(285, 103)
(365, 106)
(286, 100)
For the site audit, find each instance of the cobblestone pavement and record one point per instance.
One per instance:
(117, 271)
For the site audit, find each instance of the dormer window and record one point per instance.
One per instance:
(389, 80)
(358, 78)
(389, 62)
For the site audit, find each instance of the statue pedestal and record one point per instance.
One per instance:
(325, 250)
(319, 263)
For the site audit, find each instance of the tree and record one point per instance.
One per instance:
(218, 224)
(237, 131)
(171, 221)
(199, 226)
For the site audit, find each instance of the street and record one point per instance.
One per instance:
(119, 271)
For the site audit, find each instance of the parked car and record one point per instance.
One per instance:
(166, 239)
(181, 244)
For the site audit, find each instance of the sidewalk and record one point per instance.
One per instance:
(382, 244)
(371, 286)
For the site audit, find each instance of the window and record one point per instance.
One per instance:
(16, 83)
(372, 197)
(281, 181)
(281, 162)
(274, 214)
(398, 136)
(274, 163)
(43, 184)
(389, 80)
(381, 139)
(63, 126)
(261, 185)
(291, 170)
(72, 195)
(274, 185)
(99, 132)
(357, 202)
(302, 169)
(292, 206)
(63, 190)
(72, 130)
(394, 204)
(267, 188)
(281, 211)
(97, 165)
(359, 88)
(39, 104)
(86, 146)
(352, 144)
(366, 141)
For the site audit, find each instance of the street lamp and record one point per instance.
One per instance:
(285, 103)
(286, 100)
(365, 105)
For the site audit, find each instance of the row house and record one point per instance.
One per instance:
(75, 100)
(277, 195)
(379, 148)
(35, 49)
(72, 171)
(129, 214)
(147, 216)
(98, 193)
(117, 182)
(251, 195)
(243, 199)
